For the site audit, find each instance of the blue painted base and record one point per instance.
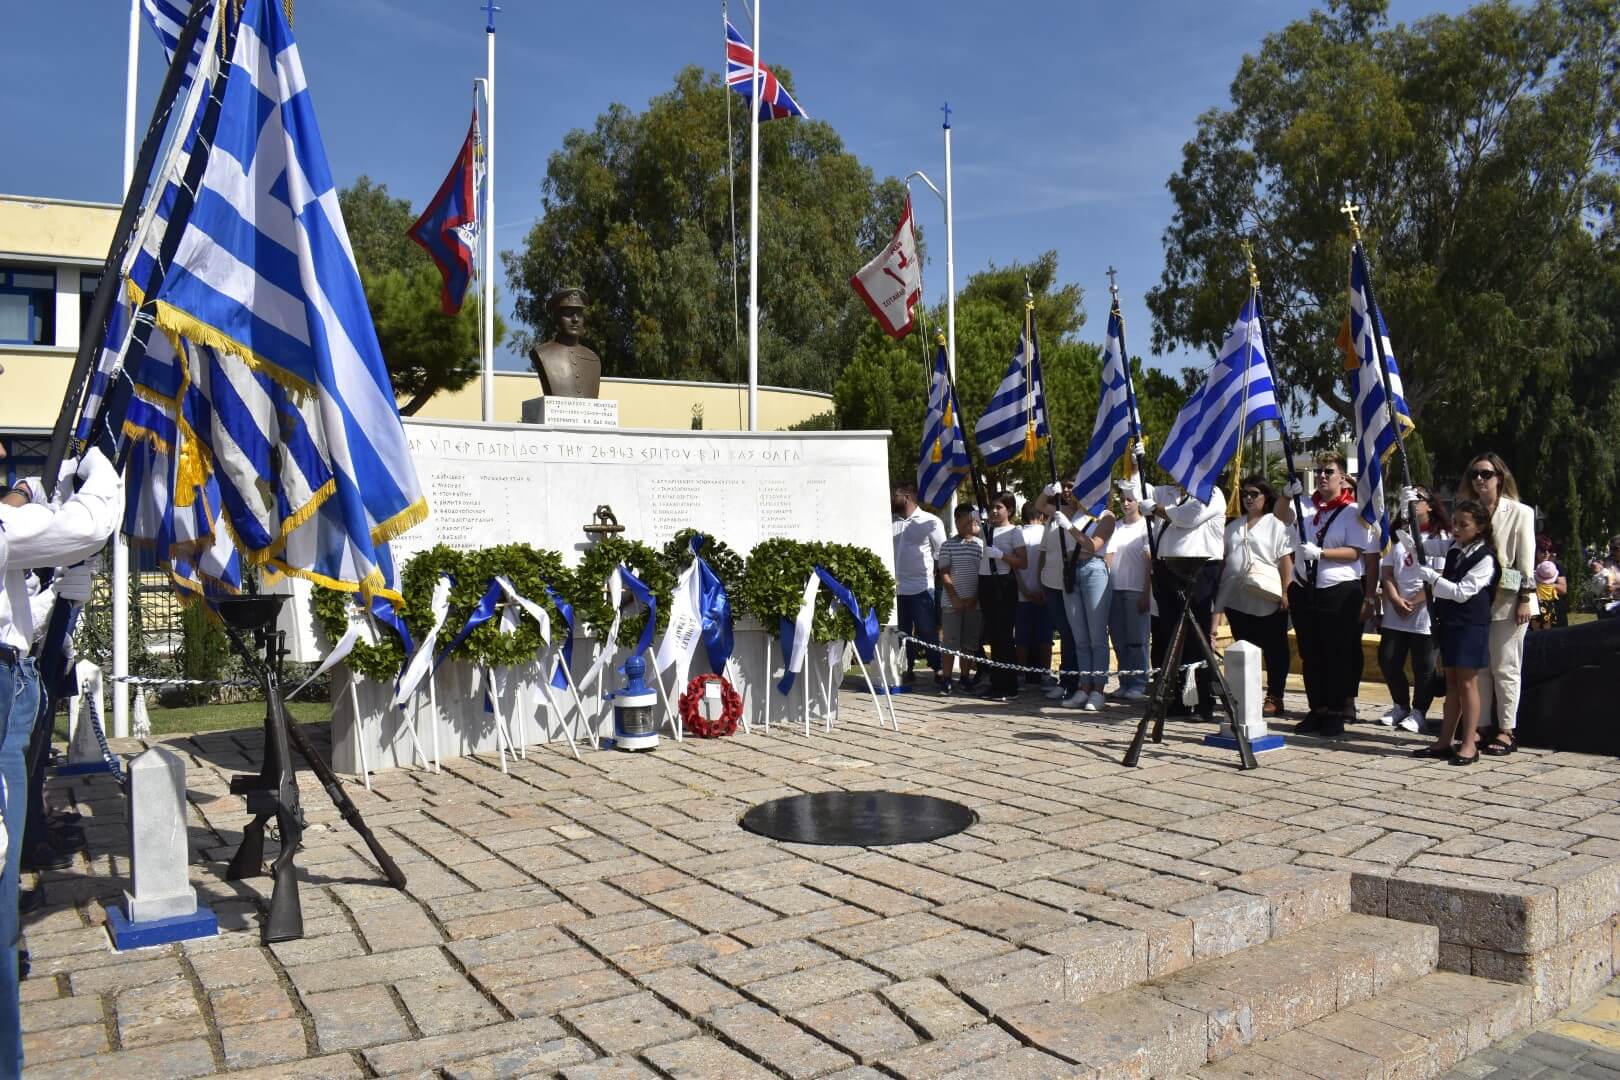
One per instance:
(892, 690)
(1268, 741)
(142, 935)
(82, 768)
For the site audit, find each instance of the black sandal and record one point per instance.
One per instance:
(1496, 749)
(1436, 752)
(1458, 759)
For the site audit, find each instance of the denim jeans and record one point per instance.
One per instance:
(19, 700)
(1060, 619)
(1128, 627)
(1087, 607)
(915, 614)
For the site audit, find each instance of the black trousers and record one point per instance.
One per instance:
(1269, 634)
(1394, 646)
(1328, 625)
(998, 598)
(1201, 598)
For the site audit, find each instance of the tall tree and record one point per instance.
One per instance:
(1482, 149)
(426, 350)
(637, 210)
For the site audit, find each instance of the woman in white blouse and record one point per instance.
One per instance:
(1259, 563)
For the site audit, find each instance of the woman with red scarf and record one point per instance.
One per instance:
(1331, 595)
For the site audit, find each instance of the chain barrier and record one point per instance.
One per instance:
(150, 680)
(980, 661)
(114, 766)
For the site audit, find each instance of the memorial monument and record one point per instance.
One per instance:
(567, 368)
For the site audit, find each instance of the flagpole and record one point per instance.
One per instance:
(120, 546)
(1375, 315)
(488, 230)
(1035, 351)
(753, 234)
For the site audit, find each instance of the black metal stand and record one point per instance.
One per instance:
(1158, 707)
(273, 791)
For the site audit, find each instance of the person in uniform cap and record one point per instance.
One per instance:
(36, 533)
(565, 366)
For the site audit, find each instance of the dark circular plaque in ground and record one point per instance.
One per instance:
(858, 818)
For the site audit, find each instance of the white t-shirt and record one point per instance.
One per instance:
(1194, 528)
(1008, 538)
(1266, 540)
(1347, 530)
(1054, 545)
(916, 545)
(1029, 578)
(1128, 551)
(1410, 583)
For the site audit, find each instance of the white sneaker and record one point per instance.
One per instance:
(1133, 695)
(1391, 715)
(1077, 700)
(1056, 693)
(1412, 721)
(1096, 702)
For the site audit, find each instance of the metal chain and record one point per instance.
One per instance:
(144, 680)
(1025, 669)
(113, 764)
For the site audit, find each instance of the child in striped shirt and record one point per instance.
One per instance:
(960, 621)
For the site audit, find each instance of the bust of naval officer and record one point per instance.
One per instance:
(565, 366)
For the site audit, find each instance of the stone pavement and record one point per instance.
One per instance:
(1584, 1042)
(1344, 910)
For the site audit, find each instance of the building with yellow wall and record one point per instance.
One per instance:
(51, 255)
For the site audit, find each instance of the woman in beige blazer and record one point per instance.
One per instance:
(1514, 525)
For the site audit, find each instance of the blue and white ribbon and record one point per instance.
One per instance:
(416, 670)
(796, 635)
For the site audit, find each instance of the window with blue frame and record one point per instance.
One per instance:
(27, 305)
(87, 294)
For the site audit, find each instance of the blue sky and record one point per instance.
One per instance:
(1068, 117)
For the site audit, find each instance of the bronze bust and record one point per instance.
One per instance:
(565, 366)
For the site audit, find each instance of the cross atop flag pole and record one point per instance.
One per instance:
(775, 101)
(448, 228)
(891, 284)
(1236, 397)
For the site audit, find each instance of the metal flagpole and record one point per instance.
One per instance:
(950, 253)
(488, 230)
(753, 234)
(120, 545)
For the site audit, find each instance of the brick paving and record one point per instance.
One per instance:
(608, 918)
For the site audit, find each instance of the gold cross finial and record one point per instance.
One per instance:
(1350, 210)
(1248, 257)
(939, 336)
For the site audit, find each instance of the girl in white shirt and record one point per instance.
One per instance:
(1463, 593)
(1405, 630)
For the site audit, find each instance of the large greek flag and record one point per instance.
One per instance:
(1375, 435)
(943, 460)
(1237, 396)
(1111, 434)
(166, 17)
(1014, 423)
(297, 418)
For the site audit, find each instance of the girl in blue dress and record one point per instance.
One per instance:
(1462, 621)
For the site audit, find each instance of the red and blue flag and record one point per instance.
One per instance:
(449, 225)
(774, 100)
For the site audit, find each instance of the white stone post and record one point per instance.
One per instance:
(160, 853)
(1243, 678)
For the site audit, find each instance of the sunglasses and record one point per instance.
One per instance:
(1481, 474)
(1329, 471)
(1251, 494)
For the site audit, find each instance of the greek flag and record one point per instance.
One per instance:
(297, 416)
(1234, 399)
(1014, 423)
(165, 17)
(943, 460)
(1111, 434)
(1375, 435)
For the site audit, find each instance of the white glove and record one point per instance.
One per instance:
(99, 475)
(74, 583)
(1052, 490)
(1406, 541)
(994, 554)
(1409, 495)
(1312, 552)
(1147, 506)
(1429, 574)
(1294, 488)
(1131, 487)
(1062, 521)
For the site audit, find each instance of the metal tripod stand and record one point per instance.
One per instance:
(1187, 629)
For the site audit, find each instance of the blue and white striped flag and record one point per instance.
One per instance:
(300, 422)
(166, 17)
(1111, 434)
(1014, 423)
(943, 459)
(1236, 397)
(1375, 435)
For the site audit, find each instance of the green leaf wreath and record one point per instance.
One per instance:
(589, 595)
(530, 570)
(773, 584)
(379, 662)
(727, 565)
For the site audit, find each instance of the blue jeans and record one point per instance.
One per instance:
(916, 616)
(19, 700)
(1087, 608)
(1129, 629)
(1060, 619)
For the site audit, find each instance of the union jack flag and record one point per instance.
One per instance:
(775, 101)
